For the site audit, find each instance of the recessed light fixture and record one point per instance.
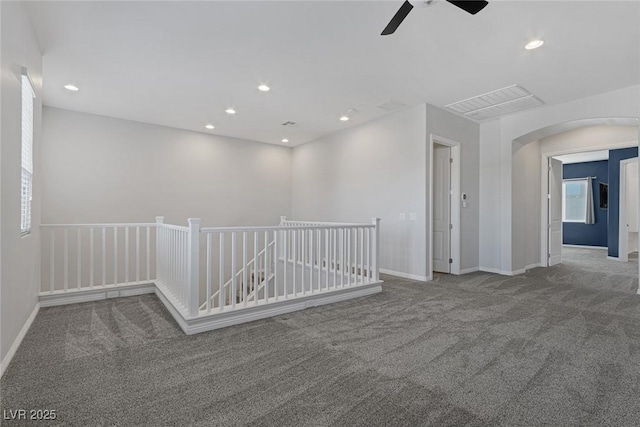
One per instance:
(534, 44)
(71, 87)
(230, 111)
(344, 118)
(285, 140)
(210, 126)
(264, 88)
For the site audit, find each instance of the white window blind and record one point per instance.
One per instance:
(574, 206)
(27, 154)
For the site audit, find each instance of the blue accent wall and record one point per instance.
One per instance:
(614, 194)
(574, 233)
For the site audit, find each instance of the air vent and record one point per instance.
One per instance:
(289, 123)
(497, 103)
(391, 105)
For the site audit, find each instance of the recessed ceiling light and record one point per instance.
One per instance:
(344, 118)
(230, 111)
(210, 126)
(264, 88)
(285, 140)
(534, 44)
(72, 88)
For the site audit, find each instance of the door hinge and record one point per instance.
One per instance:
(548, 255)
(450, 261)
(548, 196)
(450, 226)
(450, 160)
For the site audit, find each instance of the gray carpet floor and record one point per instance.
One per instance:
(556, 346)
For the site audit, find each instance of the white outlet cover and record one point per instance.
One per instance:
(413, 216)
(402, 217)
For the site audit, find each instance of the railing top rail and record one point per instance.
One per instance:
(285, 227)
(174, 227)
(118, 224)
(285, 222)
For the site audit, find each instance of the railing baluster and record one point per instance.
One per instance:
(334, 257)
(285, 263)
(327, 237)
(295, 262)
(234, 289)
(148, 236)
(311, 260)
(256, 280)
(126, 255)
(267, 270)
(276, 263)
(318, 233)
(66, 259)
(78, 258)
(349, 260)
(115, 255)
(91, 257)
(52, 259)
(368, 254)
(304, 261)
(137, 254)
(361, 244)
(208, 272)
(244, 268)
(104, 256)
(221, 289)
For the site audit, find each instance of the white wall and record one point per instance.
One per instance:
(499, 145)
(20, 256)
(379, 169)
(467, 134)
(100, 169)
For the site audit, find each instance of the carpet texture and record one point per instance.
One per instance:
(556, 346)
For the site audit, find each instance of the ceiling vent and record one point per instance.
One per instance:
(289, 123)
(391, 105)
(497, 103)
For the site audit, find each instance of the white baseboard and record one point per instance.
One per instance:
(469, 270)
(73, 296)
(604, 248)
(404, 275)
(16, 343)
(534, 265)
(239, 315)
(507, 273)
(613, 258)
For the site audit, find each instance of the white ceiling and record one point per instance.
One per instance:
(181, 64)
(587, 156)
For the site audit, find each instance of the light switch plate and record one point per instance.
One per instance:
(413, 216)
(402, 217)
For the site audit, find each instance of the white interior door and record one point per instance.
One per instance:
(628, 213)
(555, 211)
(441, 208)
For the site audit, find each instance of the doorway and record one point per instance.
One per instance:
(442, 208)
(445, 203)
(628, 214)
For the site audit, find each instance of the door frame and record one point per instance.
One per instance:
(623, 235)
(455, 203)
(544, 186)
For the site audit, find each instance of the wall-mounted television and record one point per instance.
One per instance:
(604, 195)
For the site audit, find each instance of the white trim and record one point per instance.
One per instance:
(544, 183)
(455, 212)
(404, 275)
(73, 296)
(249, 314)
(469, 270)
(614, 258)
(604, 248)
(16, 343)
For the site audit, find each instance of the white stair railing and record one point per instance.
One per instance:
(78, 257)
(243, 266)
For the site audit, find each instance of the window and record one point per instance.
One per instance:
(27, 154)
(574, 198)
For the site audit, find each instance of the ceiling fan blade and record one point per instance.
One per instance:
(472, 7)
(397, 19)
